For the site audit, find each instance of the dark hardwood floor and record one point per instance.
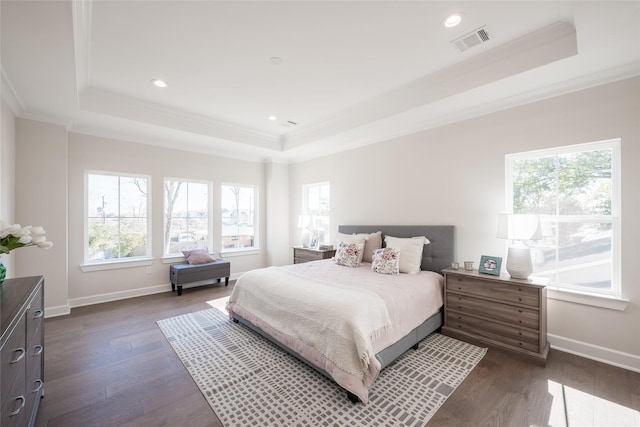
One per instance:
(109, 364)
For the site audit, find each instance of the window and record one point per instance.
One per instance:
(238, 217)
(186, 216)
(118, 224)
(315, 204)
(576, 192)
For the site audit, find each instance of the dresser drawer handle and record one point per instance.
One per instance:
(38, 351)
(17, 411)
(37, 389)
(38, 314)
(17, 359)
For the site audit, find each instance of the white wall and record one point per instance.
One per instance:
(277, 218)
(455, 175)
(101, 154)
(41, 199)
(7, 175)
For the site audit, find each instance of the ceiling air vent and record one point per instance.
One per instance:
(289, 124)
(472, 39)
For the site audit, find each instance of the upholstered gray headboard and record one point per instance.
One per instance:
(436, 255)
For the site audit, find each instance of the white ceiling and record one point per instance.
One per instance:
(352, 73)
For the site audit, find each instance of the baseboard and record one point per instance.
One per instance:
(115, 296)
(60, 310)
(595, 352)
(111, 296)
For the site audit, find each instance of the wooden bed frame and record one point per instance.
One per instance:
(436, 256)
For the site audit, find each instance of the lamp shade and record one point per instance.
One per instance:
(519, 227)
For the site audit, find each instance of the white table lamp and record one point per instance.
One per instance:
(518, 228)
(305, 234)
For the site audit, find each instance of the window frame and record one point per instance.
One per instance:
(209, 205)
(615, 291)
(256, 217)
(134, 261)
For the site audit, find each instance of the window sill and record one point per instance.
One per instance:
(602, 301)
(239, 252)
(115, 265)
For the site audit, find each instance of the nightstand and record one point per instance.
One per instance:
(301, 254)
(497, 311)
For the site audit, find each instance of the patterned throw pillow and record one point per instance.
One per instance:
(386, 261)
(349, 254)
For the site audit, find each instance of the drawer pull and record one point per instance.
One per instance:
(37, 389)
(17, 411)
(39, 350)
(17, 359)
(38, 314)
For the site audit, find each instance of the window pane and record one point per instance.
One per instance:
(581, 258)
(534, 186)
(585, 183)
(117, 217)
(186, 216)
(238, 216)
(315, 203)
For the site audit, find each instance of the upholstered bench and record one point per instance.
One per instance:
(181, 274)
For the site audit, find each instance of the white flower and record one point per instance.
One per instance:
(15, 236)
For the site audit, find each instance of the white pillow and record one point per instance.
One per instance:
(350, 238)
(410, 251)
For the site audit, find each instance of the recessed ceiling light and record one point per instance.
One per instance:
(159, 83)
(272, 118)
(453, 20)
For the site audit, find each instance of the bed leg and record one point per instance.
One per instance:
(416, 346)
(236, 321)
(352, 397)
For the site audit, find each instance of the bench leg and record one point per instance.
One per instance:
(173, 287)
(179, 290)
(226, 281)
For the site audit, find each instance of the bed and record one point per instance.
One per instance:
(348, 323)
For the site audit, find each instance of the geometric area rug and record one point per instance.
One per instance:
(249, 381)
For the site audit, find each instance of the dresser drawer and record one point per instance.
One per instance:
(496, 291)
(516, 337)
(14, 354)
(35, 314)
(494, 310)
(14, 411)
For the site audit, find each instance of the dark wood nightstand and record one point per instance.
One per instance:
(498, 311)
(301, 254)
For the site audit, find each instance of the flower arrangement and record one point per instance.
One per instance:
(15, 236)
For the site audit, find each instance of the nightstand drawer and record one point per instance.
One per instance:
(301, 255)
(494, 310)
(513, 336)
(503, 292)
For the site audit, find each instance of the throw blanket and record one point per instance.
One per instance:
(332, 326)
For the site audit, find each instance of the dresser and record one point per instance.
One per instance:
(301, 254)
(21, 350)
(497, 311)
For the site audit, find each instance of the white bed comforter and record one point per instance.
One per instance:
(336, 317)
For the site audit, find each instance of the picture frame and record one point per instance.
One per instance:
(490, 265)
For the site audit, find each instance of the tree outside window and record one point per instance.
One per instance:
(574, 190)
(238, 217)
(186, 216)
(117, 217)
